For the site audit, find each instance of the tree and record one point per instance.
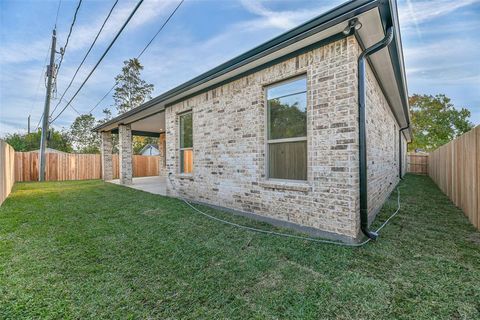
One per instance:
(130, 93)
(139, 142)
(435, 121)
(107, 116)
(29, 142)
(131, 90)
(84, 140)
(286, 120)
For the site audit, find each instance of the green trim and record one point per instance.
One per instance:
(332, 17)
(271, 63)
(141, 133)
(335, 16)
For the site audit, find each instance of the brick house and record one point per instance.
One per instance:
(308, 130)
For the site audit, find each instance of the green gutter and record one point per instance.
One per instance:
(332, 17)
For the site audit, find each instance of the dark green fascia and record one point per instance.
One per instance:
(332, 17)
(290, 55)
(141, 133)
(389, 17)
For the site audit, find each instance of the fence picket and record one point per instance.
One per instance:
(455, 168)
(66, 166)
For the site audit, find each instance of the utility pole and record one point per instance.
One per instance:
(28, 126)
(46, 110)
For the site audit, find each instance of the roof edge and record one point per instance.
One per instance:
(352, 6)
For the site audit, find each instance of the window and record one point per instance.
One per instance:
(287, 130)
(186, 143)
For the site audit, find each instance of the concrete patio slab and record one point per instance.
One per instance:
(155, 185)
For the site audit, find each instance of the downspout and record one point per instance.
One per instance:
(362, 135)
(400, 150)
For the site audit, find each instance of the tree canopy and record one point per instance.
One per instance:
(84, 140)
(131, 90)
(29, 142)
(435, 121)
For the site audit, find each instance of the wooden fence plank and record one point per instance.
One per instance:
(65, 166)
(417, 163)
(7, 170)
(455, 168)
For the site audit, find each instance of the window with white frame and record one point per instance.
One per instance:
(287, 129)
(186, 143)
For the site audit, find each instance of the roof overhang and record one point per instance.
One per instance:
(374, 15)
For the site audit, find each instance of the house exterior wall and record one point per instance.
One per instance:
(382, 146)
(404, 155)
(229, 143)
(106, 151)
(161, 152)
(125, 153)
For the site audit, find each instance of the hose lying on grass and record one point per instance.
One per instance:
(280, 234)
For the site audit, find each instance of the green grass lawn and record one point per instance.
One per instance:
(88, 249)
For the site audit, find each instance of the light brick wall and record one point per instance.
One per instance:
(125, 152)
(404, 155)
(382, 146)
(107, 161)
(161, 148)
(230, 146)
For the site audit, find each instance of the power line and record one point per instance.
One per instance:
(42, 73)
(86, 55)
(101, 58)
(141, 53)
(103, 98)
(74, 109)
(69, 34)
(160, 29)
(58, 10)
(39, 120)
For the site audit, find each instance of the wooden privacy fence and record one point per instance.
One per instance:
(455, 168)
(70, 166)
(7, 174)
(417, 163)
(59, 166)
(143, 166)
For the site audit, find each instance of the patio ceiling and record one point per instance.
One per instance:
(151, 125)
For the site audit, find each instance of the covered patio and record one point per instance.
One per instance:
(151, 125)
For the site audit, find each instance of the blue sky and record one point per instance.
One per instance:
(440, 39)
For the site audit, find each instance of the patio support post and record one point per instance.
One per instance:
(107, 163)
(125, 153)
(162, 172)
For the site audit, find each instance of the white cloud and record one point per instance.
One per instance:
(413, 13)
(282, 20)
(83, 35)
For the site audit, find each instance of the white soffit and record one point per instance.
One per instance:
(154, 123)
(371, 33)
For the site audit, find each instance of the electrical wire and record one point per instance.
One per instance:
(103, 98)
(141, 53)
(101, 58)
(42, 74)
(286, 235)
(85, 56)
(58, 10)
(69, 34)
(160, 29)
(40, 120)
